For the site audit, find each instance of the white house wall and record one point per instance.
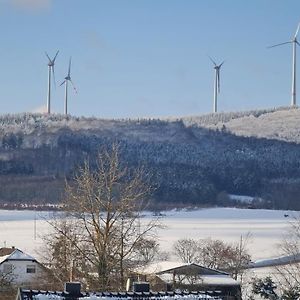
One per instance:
(19, 271)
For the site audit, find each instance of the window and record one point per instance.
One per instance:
(7, 268)
(30, 269)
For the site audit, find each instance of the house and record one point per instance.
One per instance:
(18, 267)
(183, 282)
(192, 277)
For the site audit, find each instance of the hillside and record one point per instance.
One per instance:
(193, 160)
(280, 124)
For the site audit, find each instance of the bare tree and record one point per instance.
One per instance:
(7, 278)
(285, 281)
(106, 204)
(238, 257)
(187, 250)
(288, 274)
(62, 253)
(8, 290)
(215, 254)
(147, 251)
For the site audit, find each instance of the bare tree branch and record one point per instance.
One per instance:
(107, 231)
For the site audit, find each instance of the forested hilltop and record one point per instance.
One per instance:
(193, 160)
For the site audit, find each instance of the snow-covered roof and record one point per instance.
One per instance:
(205, 280)
(3, 258)
(16, 255)
(170, 266)
(276, 261)
(95, 297)
(179, 295)
(205, 276)
(159, 267)
(20, 255)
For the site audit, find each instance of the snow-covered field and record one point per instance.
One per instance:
(265, 226)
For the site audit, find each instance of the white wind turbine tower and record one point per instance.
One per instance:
(216, 84)
(50, 68)
(294, 42)
(65, 82)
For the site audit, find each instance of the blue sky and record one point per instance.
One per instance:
(146, 58)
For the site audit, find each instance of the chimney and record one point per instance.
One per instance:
(73, 288)
(141, 287)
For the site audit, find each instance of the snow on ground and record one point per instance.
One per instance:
(265, 226)
(243, 199)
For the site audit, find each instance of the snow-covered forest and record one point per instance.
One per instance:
(192, 160)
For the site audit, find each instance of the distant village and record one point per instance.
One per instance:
(157, 281)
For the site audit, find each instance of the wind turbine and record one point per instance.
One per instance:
(294, 42)
(50, 68)
(65, 82)
(216, 84)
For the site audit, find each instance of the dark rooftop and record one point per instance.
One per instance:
(31, 295)
(6, 251)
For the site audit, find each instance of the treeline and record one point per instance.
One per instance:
(215, 118)
(188, 165)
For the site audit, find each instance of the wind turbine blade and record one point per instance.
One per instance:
(74, 86)
(297, 43)
(55, 56)
(62, 83)
(48, 56)
(295, 36)
(221, 64)
(212, 60)
(279, 44)
(69, 71)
